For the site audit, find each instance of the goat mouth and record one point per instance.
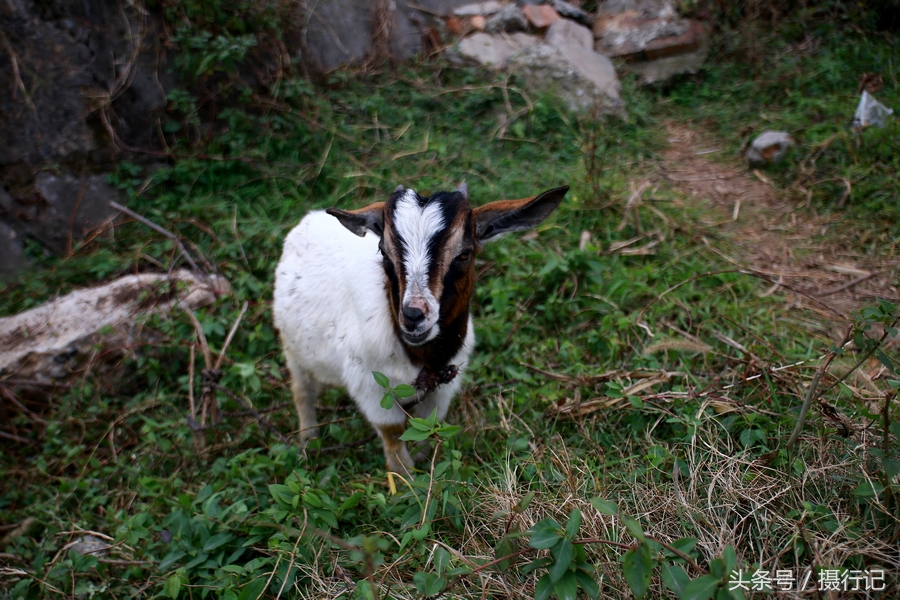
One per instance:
(415, 339)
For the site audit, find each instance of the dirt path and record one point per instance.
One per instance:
(764, 231)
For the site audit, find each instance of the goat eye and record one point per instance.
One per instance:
(464, 257)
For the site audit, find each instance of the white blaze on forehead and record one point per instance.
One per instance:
(415, 226)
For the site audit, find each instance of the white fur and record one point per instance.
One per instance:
(416, 225)
(333, 313)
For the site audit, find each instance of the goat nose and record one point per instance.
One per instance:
(413, 314)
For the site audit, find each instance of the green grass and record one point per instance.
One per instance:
(247, 515)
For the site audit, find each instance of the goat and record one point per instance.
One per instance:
(396, 302)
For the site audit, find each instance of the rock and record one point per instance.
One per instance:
(489, 50)
(60, 210)
(478, 22)
(89, 544)
(342, 32)
(570, 11)
(91, 328)
(478, 8)
(540, 15)
(13, 260)
(768, 148)
(509, 19)
(565, 33)
(69, 56)
(650, 37)
(582, 78)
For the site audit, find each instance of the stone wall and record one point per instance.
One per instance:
(72, 72)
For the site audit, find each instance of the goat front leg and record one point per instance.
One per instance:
(395, 452)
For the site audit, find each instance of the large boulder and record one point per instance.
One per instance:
(565, 63)
(71, 73)
(489, 50)
(60, 209)
(73, 62)
(650, 38)
(348, 32)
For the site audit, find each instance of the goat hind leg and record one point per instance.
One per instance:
(305, 390)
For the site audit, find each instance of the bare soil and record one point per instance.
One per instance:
(829, 264)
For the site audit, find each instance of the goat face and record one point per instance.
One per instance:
(428, 245)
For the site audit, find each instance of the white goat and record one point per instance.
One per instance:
(396, 302)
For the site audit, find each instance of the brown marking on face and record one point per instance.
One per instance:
(458, 238)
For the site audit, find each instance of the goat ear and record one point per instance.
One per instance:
(504, 216)
(368, 218)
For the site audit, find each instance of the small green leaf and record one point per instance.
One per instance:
(173, 586)
(563, 554)
(282, 494)
(868, 488)
(404, 391)
(543, 588)
(685, 545)
(382, 380)
(524, 502)
(435, 586)
(605, 507)
(638, 567)
(422, 532)
(415, 435)
(545, 534)
(587, 583)
(441, 560)
(420, 424)
(891, 467)
(447, 431)
(885, 360)
(729, 557)
(170, 559)
(311, 499)
(633, 527)
(675, 579)
(504, 547)
(701, 588)
(387, 401)
(574, 524)
(254, 589)
(567, 586)
(217, 540)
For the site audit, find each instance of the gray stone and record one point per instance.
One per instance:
(489, 50)
(565, 33)
(60, 210)
(650, 38)
(60, 339)
(12, 259)
(582, 78)
(338, 32)
(509, 19)
(768, 148)
(89, 544)
(663, 69)
(478, 8)
(341, 32)
(572, 12)
(70, 62)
